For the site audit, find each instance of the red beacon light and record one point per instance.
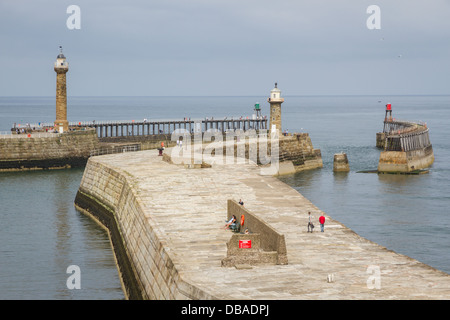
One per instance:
(388, 107)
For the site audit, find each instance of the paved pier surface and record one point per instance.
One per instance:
(189, 207)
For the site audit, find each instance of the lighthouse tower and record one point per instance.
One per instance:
(275, 101)
(61, 68)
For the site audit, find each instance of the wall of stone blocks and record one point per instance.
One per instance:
(147, 142)
(402, 162)
(296, 148)
(152, 264)
(270, 239)
(70, 144)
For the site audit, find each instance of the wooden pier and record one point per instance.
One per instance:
(143, 128)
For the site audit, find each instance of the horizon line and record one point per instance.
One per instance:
(228, 96)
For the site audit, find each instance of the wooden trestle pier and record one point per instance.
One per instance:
(141, 128)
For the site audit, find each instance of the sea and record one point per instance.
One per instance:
(43, 236)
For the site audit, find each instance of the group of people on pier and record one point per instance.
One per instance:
(233, 220)
(311, 224)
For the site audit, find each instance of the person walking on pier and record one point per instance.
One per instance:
(310, 224)
(322, 222)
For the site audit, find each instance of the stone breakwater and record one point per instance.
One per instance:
(167, 231)
(34, 150)
(291, 153)
(46, 151)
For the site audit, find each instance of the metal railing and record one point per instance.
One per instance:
(405, 136)
(27, 135)
(114, 150)
(125, 128)
(161, 121)
(43, 125)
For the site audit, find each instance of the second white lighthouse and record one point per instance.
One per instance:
(275, 101)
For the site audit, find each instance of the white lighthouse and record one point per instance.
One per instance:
(275, 101)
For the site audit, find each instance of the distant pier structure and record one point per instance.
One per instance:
(61, 68)
(406, 145)
(108, 129)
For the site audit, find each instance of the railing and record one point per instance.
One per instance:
(161, 121)
(107, 129)
(27, 135)
(62, 65)
(144, 127)
(405, 136)
(114, 150)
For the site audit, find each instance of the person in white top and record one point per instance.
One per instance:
(310, 224)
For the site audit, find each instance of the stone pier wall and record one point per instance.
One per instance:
(380, 139)
(47, 151)
(299, 150)
(269, 238)
(146, 142)
(296, 152)
(404, 162)
(146, 267)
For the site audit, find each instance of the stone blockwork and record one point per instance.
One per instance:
(275, 116)
(404, 162)
(153, 274)
(244, 250)
(61, 99)
(340, 163)
(299, 149)
(380, 139)
(296, 149)
(295, 152)
(47, 151)
(269, 240)
(147, 142)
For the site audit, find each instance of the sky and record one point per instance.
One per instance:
(226, 48)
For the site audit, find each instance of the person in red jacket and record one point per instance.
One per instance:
(322, 222)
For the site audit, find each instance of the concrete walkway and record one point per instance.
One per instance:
(189, 207)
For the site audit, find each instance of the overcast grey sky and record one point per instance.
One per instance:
(215, 47)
